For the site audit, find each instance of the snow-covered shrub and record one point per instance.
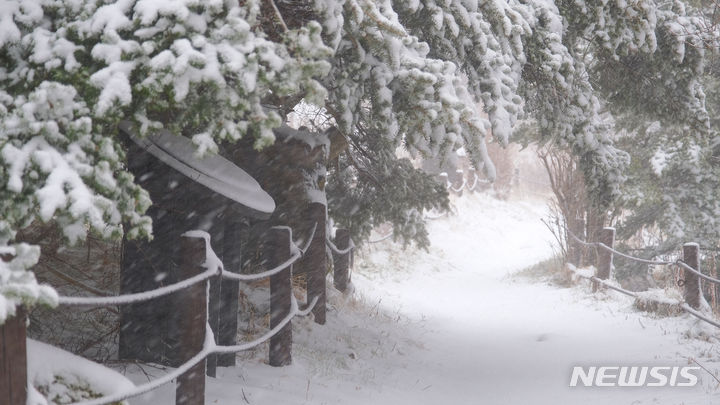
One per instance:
(58, 377)
(664, 302)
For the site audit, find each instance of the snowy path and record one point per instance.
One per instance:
(450, 326)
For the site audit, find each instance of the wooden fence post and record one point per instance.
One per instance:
(13, 360)
(472, 174)
(604, 257)
(444, 179)
(191, 305)
(459, 177)
(277, 252)
(342, 262)
(692, 281)
(213, 319)
(235, 229)
(315, 262)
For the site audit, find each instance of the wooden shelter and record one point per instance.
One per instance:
(187, 192)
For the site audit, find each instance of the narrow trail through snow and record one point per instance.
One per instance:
(502, 340)
(452, 326)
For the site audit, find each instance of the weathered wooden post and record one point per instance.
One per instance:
(473, 177)
(352, 263)
(13, 360)
(315, 262)
(235, 230)
(277, 251)
(213, 319)
(604, 257)
(342, 261)
(444, 179)
(459, 179)
(692, 291)
(191, 305)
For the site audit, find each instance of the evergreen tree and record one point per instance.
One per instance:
(673, 178)
(659, 93)
(70, 71)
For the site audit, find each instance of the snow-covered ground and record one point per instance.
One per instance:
(454, 326)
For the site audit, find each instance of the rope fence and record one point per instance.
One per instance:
(265, 274)
(464, 183)
(617, 252)
(606, 284)
(382, 238)
(698, 315)
(475, 182)
(433, 217)
(308, 241)
(138, 297)
(699, 274)
(689, 263)
(339, 251)
(197, 339)
(462, 186)
(209, 347)
(678, 262)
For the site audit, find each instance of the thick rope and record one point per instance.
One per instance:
(209, 347)
(475, 181)
(459, 189)
(677, 262)
(684, 306)
(617, 252)
(338, 250)
(309, 240)
(254, 277)
(141, 296)
(690, 269)
(444, 213)
(382, 238)
(698, 315)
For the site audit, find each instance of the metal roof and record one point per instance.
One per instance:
(212, 171)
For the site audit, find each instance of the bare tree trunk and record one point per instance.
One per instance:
(577, 214)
